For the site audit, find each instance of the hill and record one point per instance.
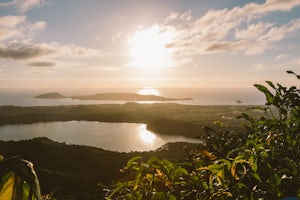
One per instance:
(73, 171)
(51, 95)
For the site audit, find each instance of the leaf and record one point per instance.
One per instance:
(172, 197)
(7, 186)
(270, 84)
(209, 155)
(25, 182)
(234, 169)
(180, 172)
(132, 161)
(202, 168)
(268, 94)
(149, 176)
(152, 160)
(291, 72)
(256, 176)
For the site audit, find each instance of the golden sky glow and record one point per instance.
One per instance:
(184, 43)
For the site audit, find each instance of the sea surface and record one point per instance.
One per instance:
(201, 96)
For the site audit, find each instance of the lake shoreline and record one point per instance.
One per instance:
(161, 118)
(68, 168)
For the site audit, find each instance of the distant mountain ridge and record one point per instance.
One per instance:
(111, 96)
(51, 95)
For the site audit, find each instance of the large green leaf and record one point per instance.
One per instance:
(268, 94)
(7, 186)
(19, 181)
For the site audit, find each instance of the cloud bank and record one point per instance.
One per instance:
(236, 30)
(23, 5)
(17, 33)
(24, 51)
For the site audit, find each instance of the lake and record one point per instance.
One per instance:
(122, 137)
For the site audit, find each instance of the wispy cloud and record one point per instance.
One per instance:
(281, 56)
(259, 67)
(231, 30)
(19, 28)
(42, 64)
(73, 51)
(23, 5)
(25, 51)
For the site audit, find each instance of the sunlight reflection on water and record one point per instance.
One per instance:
(146, 135)
(149, 91)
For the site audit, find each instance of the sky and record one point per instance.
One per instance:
(148, 43)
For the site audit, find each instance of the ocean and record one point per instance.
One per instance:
(200, 96)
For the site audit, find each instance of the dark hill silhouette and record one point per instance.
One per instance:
(111, 97)
(125, 97)
(51, 95)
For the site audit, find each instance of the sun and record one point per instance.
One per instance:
(148, 48)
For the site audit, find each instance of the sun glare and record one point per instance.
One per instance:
(148, 91)
(146, 135)
(148, 49)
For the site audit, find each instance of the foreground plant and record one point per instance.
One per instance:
(18, 180)
(262, 163)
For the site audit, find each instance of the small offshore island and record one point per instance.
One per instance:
(111, 97)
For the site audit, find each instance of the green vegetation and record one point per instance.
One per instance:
(73, 171)
(260, 161)
(264, 163)
(168, 119)
(18, 180)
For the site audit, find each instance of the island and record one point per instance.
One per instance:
(111, 97)
(51, 95)
(126, 97)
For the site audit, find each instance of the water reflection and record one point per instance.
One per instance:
(149, 91)
(146, 135)
(122, 137)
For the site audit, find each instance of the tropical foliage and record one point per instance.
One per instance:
(18, 180)
(263, 163)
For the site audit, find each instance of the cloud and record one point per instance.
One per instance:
(25, 51)
(259, 67)
(252, 31)
(296, 61)
(231, 30)
(42, 64)
(281, 56)
(18, 28)
(73, 51)
(8, 26)
(11, 21)
(23, 5)
(29, 51)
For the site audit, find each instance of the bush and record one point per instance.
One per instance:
(262, 163)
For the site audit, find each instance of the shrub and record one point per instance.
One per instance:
(262, 163)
